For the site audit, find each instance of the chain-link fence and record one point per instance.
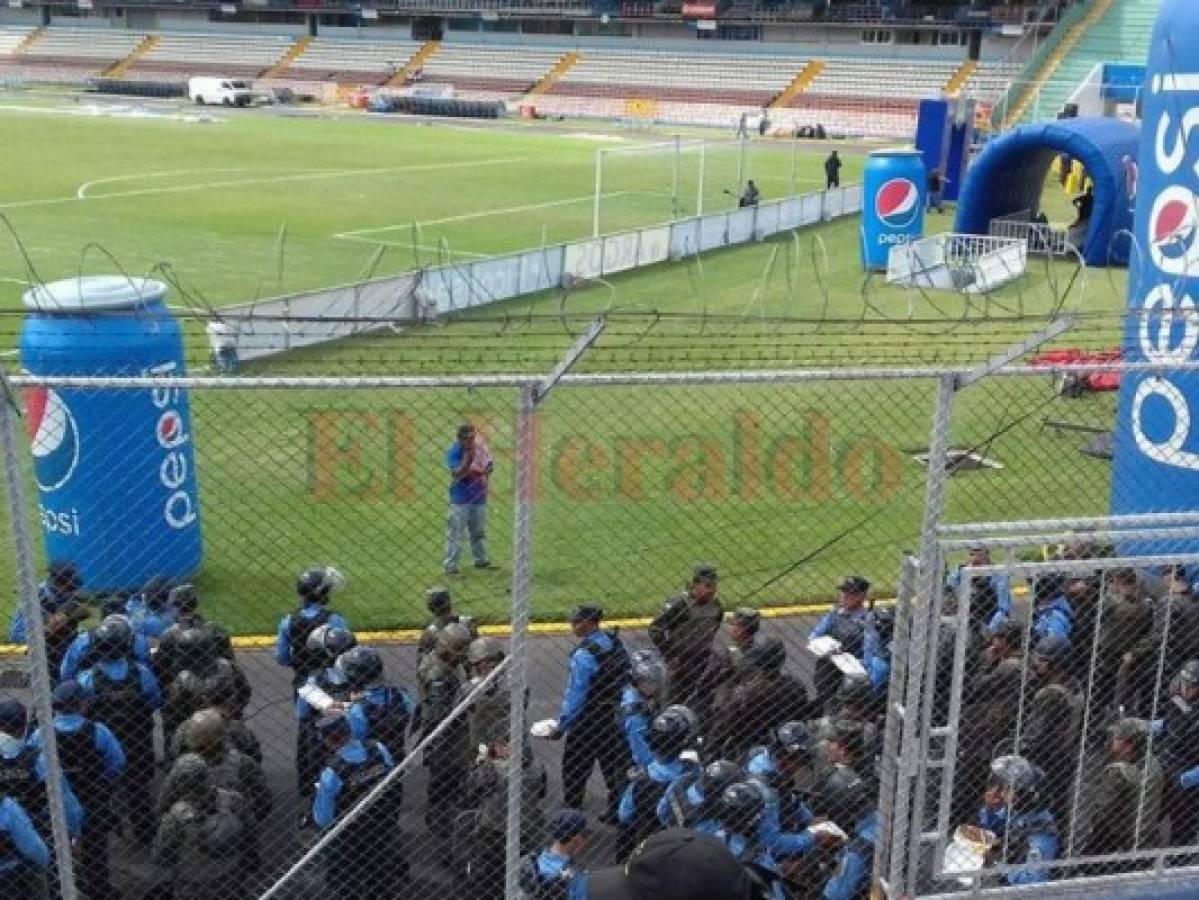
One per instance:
(310, 637)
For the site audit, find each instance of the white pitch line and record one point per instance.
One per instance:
(244, 182)
(20, 281)
(464, 217)
(81, 194)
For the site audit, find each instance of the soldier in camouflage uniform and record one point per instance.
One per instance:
(726, 661)
(441, 606)
(207, 839)
(490, 709)
(448, 757)
(1053, 722)
(487, 795)
(1127, 802)
(684, 630)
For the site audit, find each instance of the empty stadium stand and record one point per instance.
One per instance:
(80, 51)
(749, 81)
(11, 39)
(350, 61)
(861, 77)
(489, 72)
(239, 56)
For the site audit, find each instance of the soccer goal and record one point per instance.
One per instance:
(647, 184)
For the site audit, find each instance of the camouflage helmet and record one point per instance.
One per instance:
(454, 639)
(205, 731)
(190, 776)
(482, 649)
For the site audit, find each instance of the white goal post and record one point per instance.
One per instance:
(671, 150)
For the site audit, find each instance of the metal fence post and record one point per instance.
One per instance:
(522, 576)
(906, 839)
(39, 674)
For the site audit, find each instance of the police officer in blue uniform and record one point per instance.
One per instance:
(742, 807)
(554, 872)
(82, 653)
(149, 611)
(991, 595)
(693, 800)
(123, 694)
(1014, 810)
(673, 731)
(845, 799)
(93, 760)
(325, 690)
(62, 585)
(850, 623)
(363, 860)
(314, 587)
(599, 667)
(640, 703)
(786, 765)
(23, 777)
(22, 852)
(377, 710)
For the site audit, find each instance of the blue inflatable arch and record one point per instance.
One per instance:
(1009, 176)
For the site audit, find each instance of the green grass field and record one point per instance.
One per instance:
(635, 484)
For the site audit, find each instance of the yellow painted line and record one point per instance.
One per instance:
(411, 635)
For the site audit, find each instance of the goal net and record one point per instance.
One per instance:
(647, 184)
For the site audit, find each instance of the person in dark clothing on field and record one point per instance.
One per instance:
(749, 196)
(684, 630)
(599, 668)
(832, 171)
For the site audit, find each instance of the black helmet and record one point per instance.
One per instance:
(718, 775)
(844, 797)
(184, 598)
(742, 805)
(360, 666)
(330, 641)
(672, 731)
(1052, 648)
(1190, 672)
(157, 592)
(791, 739)
(437, 599)
(113, 638)
(192, 646)
(314, 586)
(769, 655)
(1017, 774)
(647, 666)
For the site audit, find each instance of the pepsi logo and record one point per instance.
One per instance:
(1173, 228)
(54, 438)
(897, 203)
(170, 428)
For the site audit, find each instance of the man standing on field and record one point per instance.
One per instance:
(470, 466)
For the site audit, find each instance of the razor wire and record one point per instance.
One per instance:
(780, 486)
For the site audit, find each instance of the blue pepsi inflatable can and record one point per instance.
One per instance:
(1156, 446)
(894, 197)
(115, 469)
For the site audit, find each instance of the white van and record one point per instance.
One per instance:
(219, 91)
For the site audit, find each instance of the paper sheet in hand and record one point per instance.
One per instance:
(544, 728)
(848, 664)
(829, 828)
(823, 646)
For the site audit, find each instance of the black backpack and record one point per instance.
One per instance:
(303, 661)
(614, 668)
